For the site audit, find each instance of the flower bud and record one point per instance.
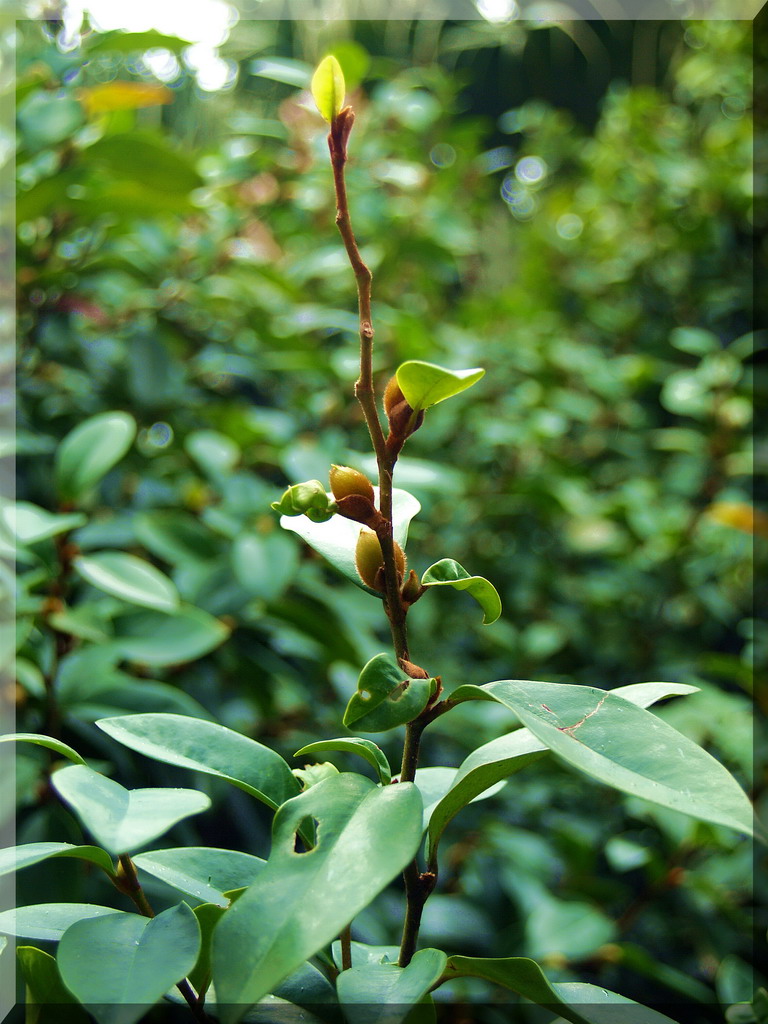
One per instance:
(309, 499)
(346, 481)
(369, 560)
(412, 588)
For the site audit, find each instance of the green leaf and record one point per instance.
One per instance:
(43, 741)
(448, 572)
(300, 902)
(139, 959)
(47, 922)
(484, 767)
(376, 992)
(17, 857)
(425, 384)
(123, 820)
(30, 524)
(208, 916)
(367, 749)
(363, 954)
(46, 989)
(159, 640)
(599, 1006)
(517, 973)
(328, 88)
(46, 119)
(207, 747)
(145, 160)
(386, 697)
(131, 42)
(89, 451)
(622, 745)
(203, 872)
(215, 453)
(336, 539)
(129, 578)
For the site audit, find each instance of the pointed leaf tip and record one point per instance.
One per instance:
(425, 384)
(328, 88)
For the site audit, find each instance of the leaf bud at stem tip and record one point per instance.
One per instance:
(345, 481)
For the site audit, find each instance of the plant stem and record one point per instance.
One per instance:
(366, 396)
(346, 948)
(127, 881)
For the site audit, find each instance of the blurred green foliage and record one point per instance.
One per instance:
(178, 261)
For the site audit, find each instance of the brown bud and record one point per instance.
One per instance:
(414, 671)
(346, 481)
(369, 560)
(412, 588)
(402, 419)
(360, 509)
(392, 395)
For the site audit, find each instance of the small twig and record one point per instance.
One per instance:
(346, 948)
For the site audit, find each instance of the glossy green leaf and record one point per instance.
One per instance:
(425, 384)
(43, 741)
(45, 987)
(207, 747)
(366, 749)
(336, 540)
(300, 902)
(375, 992)
(386, 697)
(208, 916)
(448, 572)
(30, 524)
(160, 639)
(203, 872)
(123, 820)
(129, 578)
(215, 453)
(139, 959)
(362, 954)
(624, 746)
(518, 973)
(328, 88)
(485, 767)
(17, 857)
(146, 163)
(47, 922)
(599, 1006)
(89, 451)
(175, 536)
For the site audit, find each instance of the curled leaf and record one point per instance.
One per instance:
(385, 697)
(448, 572)
(425, 384)
(328, 88)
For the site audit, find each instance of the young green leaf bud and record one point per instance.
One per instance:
(346, 481)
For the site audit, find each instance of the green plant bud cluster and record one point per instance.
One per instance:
(308, 499)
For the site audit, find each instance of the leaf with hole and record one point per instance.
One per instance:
(89, 451)
(139, 959)
(123, 820)
(366, 834)
(336, 539)
(47, 922)
(202, 872)
(386, 697)
(328, 88)
(366, 749)
(622, 745)
(207, 747)
(129, 578)
(376, 993)
(448, 572)
(17, 857)
(425, 384)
